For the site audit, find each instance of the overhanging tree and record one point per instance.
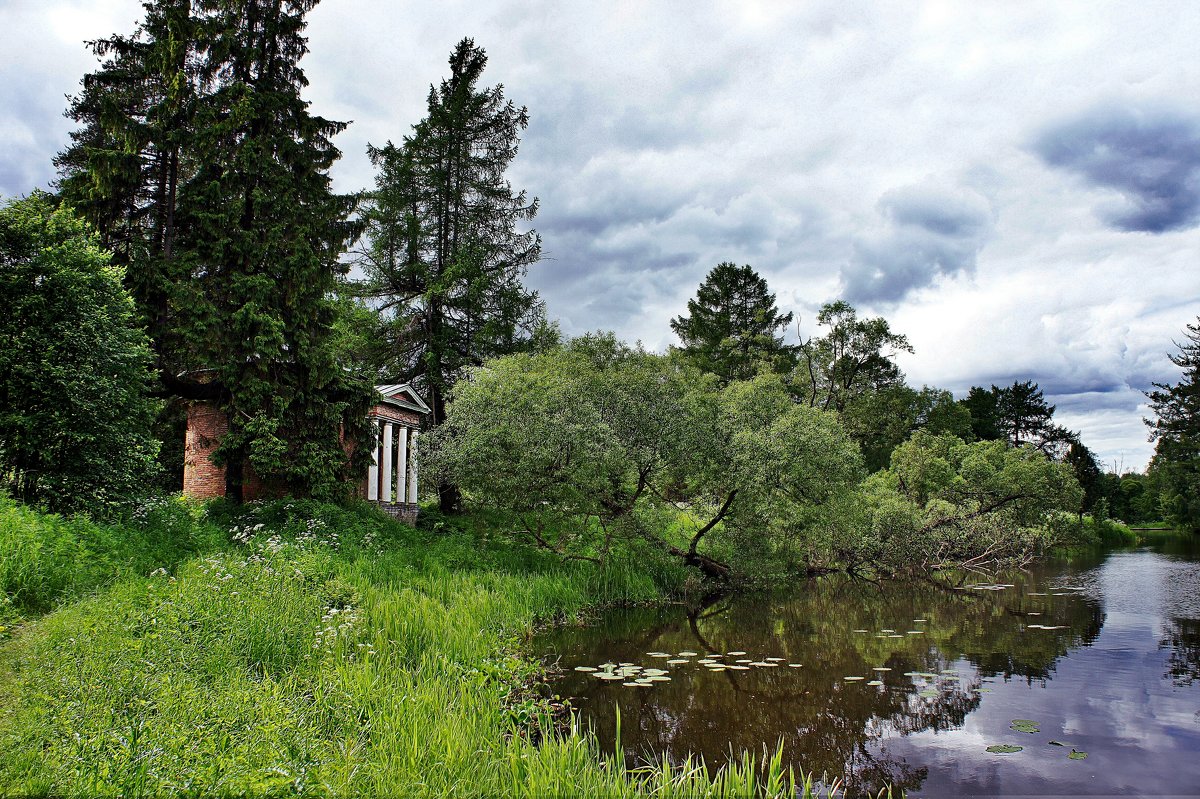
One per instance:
(733, 326)
(446, 246)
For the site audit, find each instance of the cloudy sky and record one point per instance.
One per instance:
(1015, 186)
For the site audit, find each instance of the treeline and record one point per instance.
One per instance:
(212, 264)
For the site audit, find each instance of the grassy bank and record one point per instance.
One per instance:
(298, 649)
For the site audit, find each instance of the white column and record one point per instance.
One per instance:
(387, 463)
(412, 469)
(373, 469)
(402, 464)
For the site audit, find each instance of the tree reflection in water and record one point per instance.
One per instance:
(824, 723)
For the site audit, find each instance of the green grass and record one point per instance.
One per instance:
(304, 650)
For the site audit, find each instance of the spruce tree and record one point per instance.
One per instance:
(445, 251)
(1176, 429)
(733, 325)
(211, 176)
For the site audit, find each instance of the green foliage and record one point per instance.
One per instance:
(855, 356)
(945, 502)
(733, 327)
(200, 164)
(880, 420)
(1019, 415)
(602, 442)
(74, 422)
(445, 253)
(1176, 428)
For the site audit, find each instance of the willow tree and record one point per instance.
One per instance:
(446, 246)
(199, 159)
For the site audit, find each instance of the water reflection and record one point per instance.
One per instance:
(981, 645)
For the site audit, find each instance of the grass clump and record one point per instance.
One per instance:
(49, 558)
(324, 651)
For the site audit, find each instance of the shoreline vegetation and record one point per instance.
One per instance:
(302, 648)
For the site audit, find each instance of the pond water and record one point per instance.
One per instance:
(910, 684)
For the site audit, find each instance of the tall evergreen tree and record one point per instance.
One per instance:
(733, 325)
(446, 245)
(1176, 429)
(208, 172)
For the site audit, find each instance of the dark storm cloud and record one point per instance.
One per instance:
(929, 231)
(1150, 156)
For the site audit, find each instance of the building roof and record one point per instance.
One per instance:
(402, 395)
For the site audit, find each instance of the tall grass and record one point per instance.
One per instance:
(330, 651)
(46, 558)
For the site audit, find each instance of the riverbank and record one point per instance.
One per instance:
(299, 649)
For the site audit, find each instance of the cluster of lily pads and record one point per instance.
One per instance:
(633, 675)
(1031, 727)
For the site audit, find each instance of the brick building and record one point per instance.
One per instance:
(391, 480)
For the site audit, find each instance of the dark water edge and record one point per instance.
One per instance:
(1117, 676)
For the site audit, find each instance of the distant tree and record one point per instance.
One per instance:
(982, 404)
(1089, 474)
(74, 418)
(1176, 429)
(856, 356)
(881, 420)
(733, 326)
(446, 249)
(199, 161)
(1018, 414)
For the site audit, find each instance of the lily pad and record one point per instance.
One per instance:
(916, 632)
(880, 668)
(1077, 755)
(677, 661)
(1004, 749)
(918, 621)
(861, 631)
(875, 682)
(735, 653)
(1025, 725)
(929, 694)
(585, 668)
(796, 665)
(687, 654)
(852, 679)
(1057, 743)
(738, 667)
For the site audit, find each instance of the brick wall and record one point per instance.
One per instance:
(206, 426)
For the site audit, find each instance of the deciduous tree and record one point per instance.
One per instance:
(74, 418)
(854, 357)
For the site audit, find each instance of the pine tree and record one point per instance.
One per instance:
(211, 177)
(733, 326)
(1176, 429)
(445, 253)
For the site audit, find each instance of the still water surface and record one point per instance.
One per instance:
(1117, 676)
